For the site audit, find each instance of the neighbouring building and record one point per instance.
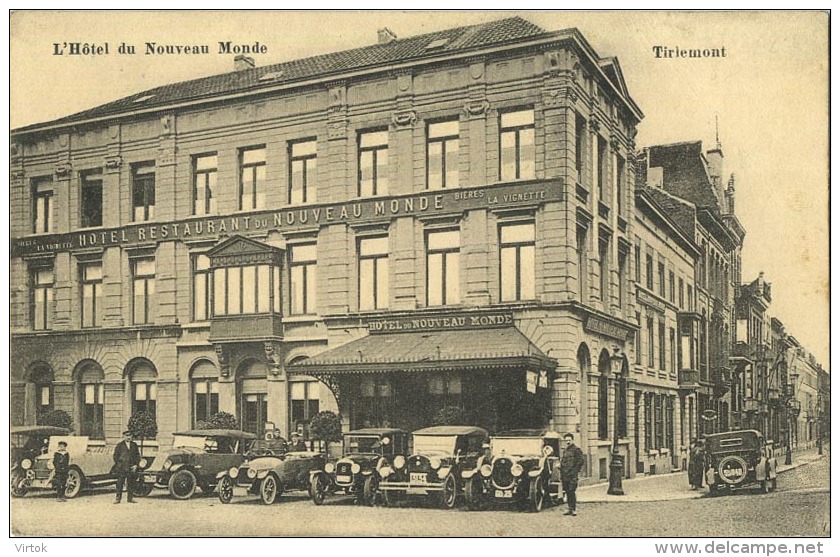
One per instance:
(426, 229)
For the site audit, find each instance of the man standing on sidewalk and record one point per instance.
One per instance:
(570, 467)
(126, 460)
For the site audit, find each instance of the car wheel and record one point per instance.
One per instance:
(536, 495)
(317, 489)
(269, 490)
(75, 480)
(393, 498)
(141, 488)
(17, 483)
(225, 489)
(182, 484)
(370, 490)
(450, 492)
(474, 493)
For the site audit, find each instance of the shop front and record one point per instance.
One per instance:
(412, 372)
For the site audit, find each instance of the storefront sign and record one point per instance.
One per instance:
(360, 211)
(444, 322)
(650, 301)
(596, 325)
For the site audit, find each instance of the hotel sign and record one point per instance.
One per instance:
(596, 325)
(443, 322)
(296, 218)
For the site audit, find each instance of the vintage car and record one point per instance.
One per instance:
(26, 443)
(269, 476)
(441, 455)
(196, 458)
(739, 458)
(90, 467)
(523, 469)
(365, 451)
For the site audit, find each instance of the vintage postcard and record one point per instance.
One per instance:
(463, 273)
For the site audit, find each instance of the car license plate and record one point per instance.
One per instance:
(504, 494)
(149, 479)
(345, 479)
(418, 478)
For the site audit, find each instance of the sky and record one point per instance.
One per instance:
(769, 94)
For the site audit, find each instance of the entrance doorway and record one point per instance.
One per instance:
(252, 385)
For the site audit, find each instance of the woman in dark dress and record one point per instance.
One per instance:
(696, 464)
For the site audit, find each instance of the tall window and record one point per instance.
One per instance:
(204, 186)
(91, 198)
(517, 245)
(649, 439)
(306, 402)
(143, 380)
(602, 169)
(649, 271)
(639, 338)
(444, 389)
(661, 270)
(658, 417)
(143, 191)
(603, 396)
(303, 266)
(604, 267)
(637, 260)
(42, 299)
(252, 178)
(92, 307)
(43, 392)
(661, 345)
(373, 163)
(205, 399)
(673, 345)
(303, 163)
(245, 290)
(373, 273)
(517, 152)
(143, 278)
(580, 142)
(689, 297)
(682, 293)
(620, 171)
(201, 287)
(671, 288)
(442, 268)
(622, 278)
(442, 155)
(42, 205)
(650, 342)
(92, 398)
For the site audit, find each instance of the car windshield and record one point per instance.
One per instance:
(434, 444)
(195, 442)
(519, 446)
(358, 445)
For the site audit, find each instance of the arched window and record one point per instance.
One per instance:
(142, 377)
(603, 394)
(41, 378)
(204, 379)
(91, 382)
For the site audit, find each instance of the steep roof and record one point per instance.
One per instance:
(412, 48)
(681, 213)
(684, 172)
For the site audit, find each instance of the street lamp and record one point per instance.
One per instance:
(789, 406)
(617, 461)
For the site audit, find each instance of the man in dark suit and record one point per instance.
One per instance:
(570, 467)
(126, 461)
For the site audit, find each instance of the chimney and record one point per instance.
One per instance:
(730, 196)
(242, 62)
(386, 36)
(715, 167)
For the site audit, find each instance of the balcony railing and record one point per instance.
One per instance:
(245, 328)
(688, 379)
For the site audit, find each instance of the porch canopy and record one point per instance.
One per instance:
(454, 350)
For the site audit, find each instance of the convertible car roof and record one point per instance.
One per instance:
(451, 430)
(375, 431)
(217, 433)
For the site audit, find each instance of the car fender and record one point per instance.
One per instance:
(221, 475)
(175, 467)
(261, 475)
(467, 474)
(315, 473)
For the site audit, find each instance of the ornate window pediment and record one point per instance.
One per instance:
(238, 250)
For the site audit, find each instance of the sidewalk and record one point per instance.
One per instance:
(670, 487)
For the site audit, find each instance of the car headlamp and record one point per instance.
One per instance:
(355, 468)
(50, 465)
(399, 461)
(143, 463)
(26, 464)
(329, 468)
(385, 471)
(443, 472)
(434, 463)
(252, 473)
(486, 470)
(233, 472)
(516, 470)
(386, 441)
(167, 465)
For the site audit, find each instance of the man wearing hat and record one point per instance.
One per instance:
(297, 442)
(126, 461)
(61, 466)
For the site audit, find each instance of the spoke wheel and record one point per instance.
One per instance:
(182, 484)
(536, 496)
(141, 488)
(269, 490)
(75, 480)
(225, 489)
(450, 492)
(17, 483)
(317, 489)
(474, 492)
(370, 490)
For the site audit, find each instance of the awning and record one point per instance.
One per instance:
(474, 349)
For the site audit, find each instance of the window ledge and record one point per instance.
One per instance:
(196, 325)
(307, 318)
